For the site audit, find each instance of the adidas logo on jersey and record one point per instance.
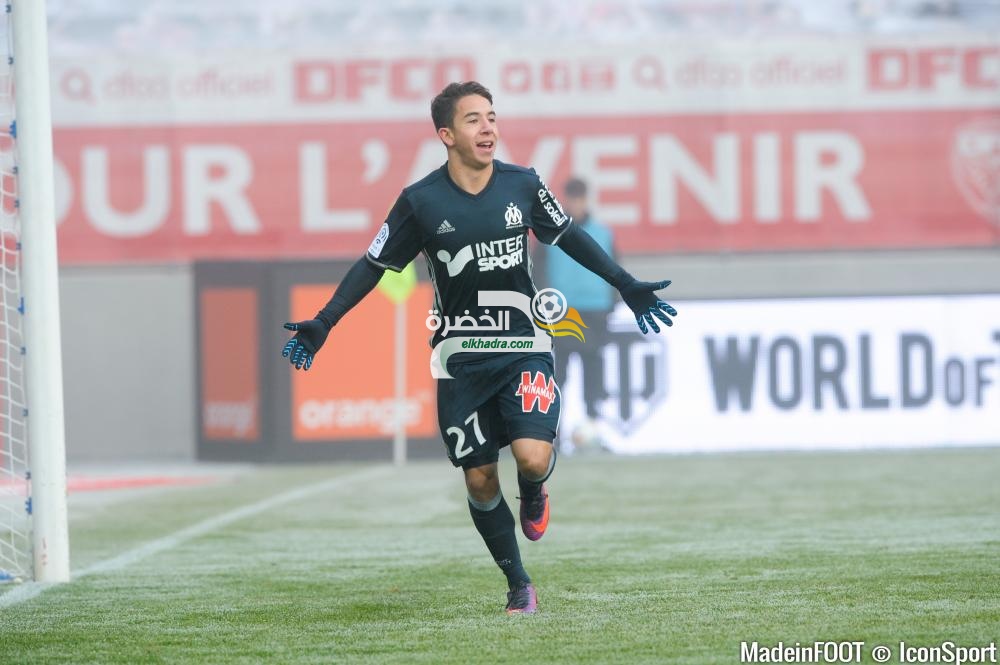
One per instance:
(445, 227)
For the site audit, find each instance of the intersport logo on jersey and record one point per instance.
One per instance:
(503, 254)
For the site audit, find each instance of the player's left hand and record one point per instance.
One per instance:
(301, 350)
(641, 298)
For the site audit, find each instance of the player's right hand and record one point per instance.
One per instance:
(309, 337)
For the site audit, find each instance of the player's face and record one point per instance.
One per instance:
(473, 134)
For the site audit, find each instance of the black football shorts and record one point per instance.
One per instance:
(494, 401)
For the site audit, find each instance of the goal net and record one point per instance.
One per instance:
(15, 531)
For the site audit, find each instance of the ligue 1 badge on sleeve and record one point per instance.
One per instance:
(379, 242)
(975, 164)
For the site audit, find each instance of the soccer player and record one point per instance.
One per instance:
(470, 219)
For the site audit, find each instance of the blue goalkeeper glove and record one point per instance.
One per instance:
(309, 337)
(641, 298)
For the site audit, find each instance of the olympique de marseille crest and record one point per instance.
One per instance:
(512, 216)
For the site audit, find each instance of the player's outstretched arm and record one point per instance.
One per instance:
(311, 334)
(640, 297)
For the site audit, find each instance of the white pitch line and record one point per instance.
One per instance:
(30, 590)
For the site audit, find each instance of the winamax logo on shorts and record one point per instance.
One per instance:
(536, 392)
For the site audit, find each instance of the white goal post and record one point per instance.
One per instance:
(39, 300)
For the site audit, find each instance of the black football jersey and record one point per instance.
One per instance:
(472, 242)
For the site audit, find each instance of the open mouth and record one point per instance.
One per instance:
(485, 145)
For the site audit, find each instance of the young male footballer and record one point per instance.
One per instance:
(470, 218)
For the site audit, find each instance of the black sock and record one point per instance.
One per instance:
(529, 489)
(532, 488)
(497, 529)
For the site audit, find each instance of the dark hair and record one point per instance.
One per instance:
(443, 106)
(576, 187)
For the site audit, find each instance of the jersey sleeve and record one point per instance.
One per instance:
(547, 220)
(398, 241)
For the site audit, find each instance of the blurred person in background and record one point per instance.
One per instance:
(470, 218)
(594, 299)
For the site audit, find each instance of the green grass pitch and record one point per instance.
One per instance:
(673, 559)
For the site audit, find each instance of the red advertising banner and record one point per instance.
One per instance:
(705, 183)
(792, 143)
